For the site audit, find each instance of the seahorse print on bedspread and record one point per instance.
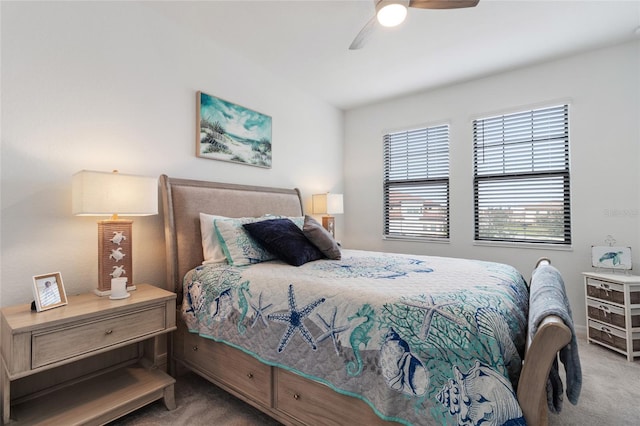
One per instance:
(360, 335)
(243, 304)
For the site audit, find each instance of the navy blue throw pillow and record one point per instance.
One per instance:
(285, 240)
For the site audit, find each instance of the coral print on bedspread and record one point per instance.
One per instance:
(422, 340)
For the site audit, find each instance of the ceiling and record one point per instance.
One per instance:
(306, 42)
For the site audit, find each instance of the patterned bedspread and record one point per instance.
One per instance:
(422, 340)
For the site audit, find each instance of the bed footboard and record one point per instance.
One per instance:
(551, 336)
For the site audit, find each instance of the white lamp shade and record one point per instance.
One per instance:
(327, 204)
(105, 194)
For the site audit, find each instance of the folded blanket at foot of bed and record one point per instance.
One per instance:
(548, 297)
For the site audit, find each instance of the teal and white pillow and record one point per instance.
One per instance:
(238, 247)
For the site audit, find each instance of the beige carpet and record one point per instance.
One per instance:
(610, 390)
(610, 397)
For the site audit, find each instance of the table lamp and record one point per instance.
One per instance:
(112, 194)
(328, 204)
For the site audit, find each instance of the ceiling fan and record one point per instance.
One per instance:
(390, 13)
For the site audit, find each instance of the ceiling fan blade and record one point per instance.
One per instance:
(364, 34)
(442, 4)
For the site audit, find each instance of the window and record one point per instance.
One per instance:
(521, 177)
(416, 183)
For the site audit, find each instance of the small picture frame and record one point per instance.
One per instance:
(48, 291)
(611, 257)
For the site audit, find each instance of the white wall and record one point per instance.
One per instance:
(603, 88)
(111, 85)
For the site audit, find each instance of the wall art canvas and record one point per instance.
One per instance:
(611, 257)
(229, 132)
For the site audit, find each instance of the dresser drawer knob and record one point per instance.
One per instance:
(108, 332)
(250, 375)
(296, 396)
(195, 348)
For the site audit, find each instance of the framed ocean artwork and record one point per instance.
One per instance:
(611, 257)
(229, 132)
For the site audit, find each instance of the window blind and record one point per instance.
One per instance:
(416, 183)
(521, 177)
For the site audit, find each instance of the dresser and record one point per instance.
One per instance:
(88, 362)
(613, 311)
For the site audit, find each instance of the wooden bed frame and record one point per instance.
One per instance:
(285, 396)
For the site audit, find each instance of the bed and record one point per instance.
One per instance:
(328, 343)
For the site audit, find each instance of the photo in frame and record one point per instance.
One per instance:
(48, 291)
(611, 257)
(229, 132)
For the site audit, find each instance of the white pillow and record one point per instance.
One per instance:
(211, 249)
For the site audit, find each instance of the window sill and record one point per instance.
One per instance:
(417, 239)
(530, 246)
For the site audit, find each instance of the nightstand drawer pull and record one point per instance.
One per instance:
(195, 348)
(605, 309)
(296, 396)
(250, 375)
(108, 332)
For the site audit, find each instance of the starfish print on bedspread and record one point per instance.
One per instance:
(259, 311)
(431, 308)
(331, 330)
(295, 320)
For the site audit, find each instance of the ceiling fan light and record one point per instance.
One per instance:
(392, 14)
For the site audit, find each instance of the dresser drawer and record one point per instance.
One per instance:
(60, 344)
(610, 292)
(612, 336)
(230, 366)
(611, 314)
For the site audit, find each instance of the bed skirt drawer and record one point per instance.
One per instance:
(612, 336)
(309, 402)
(610, 292)
(230, 366)
(611, 314)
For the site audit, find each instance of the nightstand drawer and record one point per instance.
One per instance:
(611, 314)
(612, 336)
(610, 292)
(63, 343)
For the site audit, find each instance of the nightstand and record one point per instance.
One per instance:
(88, 362)
(613, 312)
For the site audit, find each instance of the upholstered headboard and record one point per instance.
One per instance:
(183, 200)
